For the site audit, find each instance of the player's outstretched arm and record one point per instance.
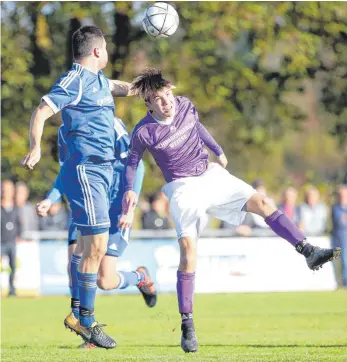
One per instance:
(129, 203)
(120, 88)
(210, 142)
(37, 121)
(53, 196)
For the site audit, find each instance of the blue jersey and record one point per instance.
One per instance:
(120, 149)
(87, 108)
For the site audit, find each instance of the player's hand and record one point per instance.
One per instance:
(43, 207)
(32, 158)
(126, 220)
(129, 201)
(222, 160)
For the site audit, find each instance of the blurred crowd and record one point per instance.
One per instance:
(313, 216)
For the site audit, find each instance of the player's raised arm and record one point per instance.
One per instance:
(37, 121)
(210, 142)
(120, 88)
(130, 196)
(66, 91)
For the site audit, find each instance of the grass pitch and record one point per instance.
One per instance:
(230, 327)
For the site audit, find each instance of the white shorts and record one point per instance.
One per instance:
(216, 192)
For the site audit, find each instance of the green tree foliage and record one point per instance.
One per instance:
(250, 69)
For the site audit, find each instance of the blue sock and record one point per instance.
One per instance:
(87, 290)
(75, 295)
(129, 278)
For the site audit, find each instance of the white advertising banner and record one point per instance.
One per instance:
(27, 277)
(262, 264)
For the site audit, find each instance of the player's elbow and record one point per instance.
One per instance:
(42, 112)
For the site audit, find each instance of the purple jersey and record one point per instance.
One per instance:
(177, 148)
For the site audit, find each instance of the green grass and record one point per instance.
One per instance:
(231, 327)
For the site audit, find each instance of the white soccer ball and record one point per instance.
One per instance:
(161, 20)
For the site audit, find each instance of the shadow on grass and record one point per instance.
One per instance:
(277, 345)
(229, 345)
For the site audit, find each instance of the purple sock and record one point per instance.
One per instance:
(285, 228)
(185, 295)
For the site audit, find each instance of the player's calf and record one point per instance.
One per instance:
(315, 256)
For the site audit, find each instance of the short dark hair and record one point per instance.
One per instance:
(84, 40)
(148, 82)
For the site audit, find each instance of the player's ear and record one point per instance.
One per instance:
(148, 103)
(96, 52)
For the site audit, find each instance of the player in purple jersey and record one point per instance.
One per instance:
(172, 133)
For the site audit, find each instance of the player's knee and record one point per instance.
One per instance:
(260, 204)
(103, 284)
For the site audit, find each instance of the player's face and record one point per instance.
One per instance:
(162, 103)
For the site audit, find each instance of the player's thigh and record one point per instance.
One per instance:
(226, 189)
(87, 187)
(186, 216)
(229, 196)
(95, 245)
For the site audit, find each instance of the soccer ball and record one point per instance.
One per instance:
(161, 20)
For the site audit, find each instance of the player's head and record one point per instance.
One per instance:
(89, 41)
(156, 92)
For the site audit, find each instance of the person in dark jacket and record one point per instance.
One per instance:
(10, 229)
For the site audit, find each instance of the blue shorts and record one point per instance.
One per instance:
(118, 239)
(87, 187)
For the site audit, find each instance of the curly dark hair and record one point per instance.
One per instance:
(148, 82)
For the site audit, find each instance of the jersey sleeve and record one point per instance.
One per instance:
(206, 137)
(56, 191)
(140, 174)
(135, 154)
(66, 91)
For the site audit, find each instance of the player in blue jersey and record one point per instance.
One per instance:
(85, 98)
(108, 277)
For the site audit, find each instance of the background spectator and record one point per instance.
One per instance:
(157, 216)
(288, 204)
(26, 210)
(57, 218)
(313, 213)
(10, 229)
(339, 230)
